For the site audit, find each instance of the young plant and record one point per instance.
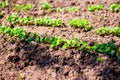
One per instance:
(1, 14)
(13, 18)
(55, 42)
(114, 7)
(4, 4)
(101, 31)
(93, 8)
(100, 59)
(17, 31)
(107, 48)
(70, 43)
(2, 28)
(59, 9)
(24, 7)
(92, 47)
(48, 22)
(47, 6)
(81, 45)
(108, 31)
(72, 9)
(83, 23)
(116, 31)
(18, 7)
(26, 20)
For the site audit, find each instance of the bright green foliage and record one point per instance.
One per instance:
(47, 6)
(82, 45)
(1, 13)
(4, 4)
(102, 31)
(100, 59)
(48, 22)
(72, 9)
(37, 39)
(2, 28)
(70, 43)
(83, 23)
(116, 31)
(114, 7)
(26, 20)
(93, 8)
(17, 32)
(55, 42)
(13, 18)
(59, 9)
(108, 31)
(24, 7)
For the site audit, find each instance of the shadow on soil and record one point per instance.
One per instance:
(41, 55)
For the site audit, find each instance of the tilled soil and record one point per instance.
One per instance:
(22, 61)
(40, 62)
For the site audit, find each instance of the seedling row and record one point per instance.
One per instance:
(56, 41)
(46, 21)
(49, 7)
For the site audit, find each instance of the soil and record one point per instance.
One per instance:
(22, 61)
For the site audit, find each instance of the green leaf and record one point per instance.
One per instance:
(29, 39)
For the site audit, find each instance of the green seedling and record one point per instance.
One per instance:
(46, 21)
(108, 31)
(93, 8)
(4, 4)
(114, 7)
(92, 47)
(26, 20)
(101, 31)
(116, 31)
(37, 39)
(59, 9)
(56, 42)
(47, 6)
(100, 59)
(18, 7)
(1, 13)
(107, 48)
(81, 45)
(28, 40)
(70, 43)
(19, 32)
(13, 18)
(72, 9)
(2, 28)
(83, 23)
(24, 7)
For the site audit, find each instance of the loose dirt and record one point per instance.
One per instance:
(22, 61)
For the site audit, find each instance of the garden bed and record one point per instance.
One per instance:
(28, 60)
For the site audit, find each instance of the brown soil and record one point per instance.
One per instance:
(22, 61)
